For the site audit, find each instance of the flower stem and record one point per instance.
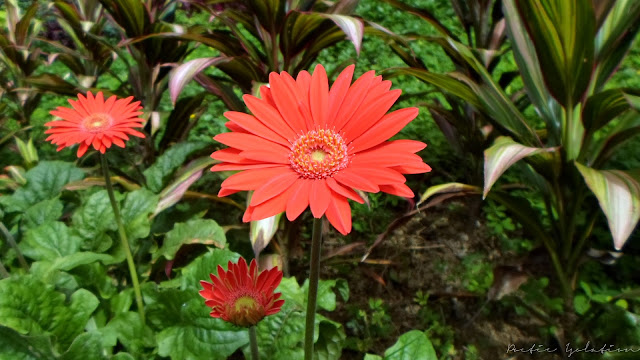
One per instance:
(253, 341)
(123, 238)
(314, 275)
(12, 243)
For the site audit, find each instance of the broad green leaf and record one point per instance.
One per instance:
(95, 217)
(581, 304)
(562, 32)
(44, 181)
(372, 357)
(281, 335)
(127, 328)
(619, 196)
(86, 346)
(200, 268)
(35, 308)
(184, 73)
(158, 173)
(500, 156)
(43, 212)
(198, 231)
(413, 345)
(50, 241)
(136, 211)
(185, 328)
(15, 346)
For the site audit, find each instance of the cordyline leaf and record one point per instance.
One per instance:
(447, 188)
(603, 107)
(615, 37)
(501, 155)
(444, 82)
(174, 192)
(619, 196)
(562, 32)
(131, 15)
(352, 27)
(53, 83)
(184, 73)
(525, 56)
(262, 231)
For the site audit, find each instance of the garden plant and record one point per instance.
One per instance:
(304, 179)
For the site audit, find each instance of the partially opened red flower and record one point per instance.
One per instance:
(243, 297)
(308, 145)
(94, 121)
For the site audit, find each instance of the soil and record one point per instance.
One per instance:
(426, 253)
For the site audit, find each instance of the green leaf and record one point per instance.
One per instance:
(198, 231)
(127, 328)
(52, 83)
(95, 217)
(131, 15)
(158, 173)
(185, 328)
(85, 346)
(50, 241)
(500, 156)
(15, 346)
(562, 32)
(281, 335)
(201, 267)
(43, 212)
(447, 188)
(136, 211)
(619, 196)
(413, 345)
(35, 308)
(44, 181)
(581, 304)
(372, 357)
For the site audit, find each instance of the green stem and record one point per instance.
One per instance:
(253, 341)
(314, 275)
(3, 271)
(123, 238)
(12, 243)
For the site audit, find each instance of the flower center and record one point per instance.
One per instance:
(245, 302)
(319, 154)
(96, 122)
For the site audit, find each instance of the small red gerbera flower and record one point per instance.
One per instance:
(94, 121)
(240, 297)
(308, 145)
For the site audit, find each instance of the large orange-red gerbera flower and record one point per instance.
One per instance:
(94, 121)
(240, 297)
(308, 145)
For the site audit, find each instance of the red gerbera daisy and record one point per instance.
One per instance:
(94, 121)
(308, 145)
(240, 297)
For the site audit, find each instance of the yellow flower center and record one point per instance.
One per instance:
(245, 302)
(96, 122)
(319, 154)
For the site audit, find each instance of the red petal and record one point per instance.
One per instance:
(319, 95)
(269, 208)
(388, 126)
(370, 115)
(338, 92)
(287, 103)
(256, 127)
(380, 175)
(319, 198)
(344, 191)
(339, 214)
(397, 189)
(249, 142)
(252, 179)
(269, 115)
(299, 199)
(273, 187)
(355, 96)
(354, 180)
